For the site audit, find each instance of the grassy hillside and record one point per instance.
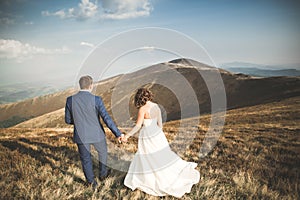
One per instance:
(53, 119)
(256, 157)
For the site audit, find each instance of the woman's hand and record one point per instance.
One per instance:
(125, 138)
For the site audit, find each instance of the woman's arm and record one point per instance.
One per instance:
(138, 124)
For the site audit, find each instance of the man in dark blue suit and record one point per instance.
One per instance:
(84, 110)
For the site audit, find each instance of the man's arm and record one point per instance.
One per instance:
(68, 111)
(106, 118)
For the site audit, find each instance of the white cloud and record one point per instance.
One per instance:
(60, 13)
(87, 44)
(86, 9)
(14, 49)
(111, 9)
(125, 9)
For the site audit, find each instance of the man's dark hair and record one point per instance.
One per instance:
(85, 82)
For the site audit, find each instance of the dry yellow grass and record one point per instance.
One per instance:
(256, 157)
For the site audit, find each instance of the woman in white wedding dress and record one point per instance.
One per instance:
(155, 168)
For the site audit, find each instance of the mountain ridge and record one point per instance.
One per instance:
(241, 91)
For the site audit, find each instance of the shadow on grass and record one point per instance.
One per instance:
(62, 154)
(44, 158)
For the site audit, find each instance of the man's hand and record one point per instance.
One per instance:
(121, 138)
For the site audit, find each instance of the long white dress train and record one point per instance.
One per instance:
(156, 169)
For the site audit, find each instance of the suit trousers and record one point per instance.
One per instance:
(86, 159)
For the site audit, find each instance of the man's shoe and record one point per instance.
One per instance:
(94, 184)
(104, 177)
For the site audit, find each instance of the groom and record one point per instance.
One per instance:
(83, 111)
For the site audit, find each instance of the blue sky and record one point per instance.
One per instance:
(42, 39)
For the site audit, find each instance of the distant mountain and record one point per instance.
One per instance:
(14, 113)
(260, 70)
(21, 91)
(265, 72)
(10, 96)
(259, 66)
(241, 91)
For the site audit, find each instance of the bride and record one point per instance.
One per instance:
(155, 168)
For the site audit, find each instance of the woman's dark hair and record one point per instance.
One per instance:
(142, 96)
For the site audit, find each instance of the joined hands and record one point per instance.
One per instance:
(123, 138)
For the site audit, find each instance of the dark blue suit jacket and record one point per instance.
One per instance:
(84, 110)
